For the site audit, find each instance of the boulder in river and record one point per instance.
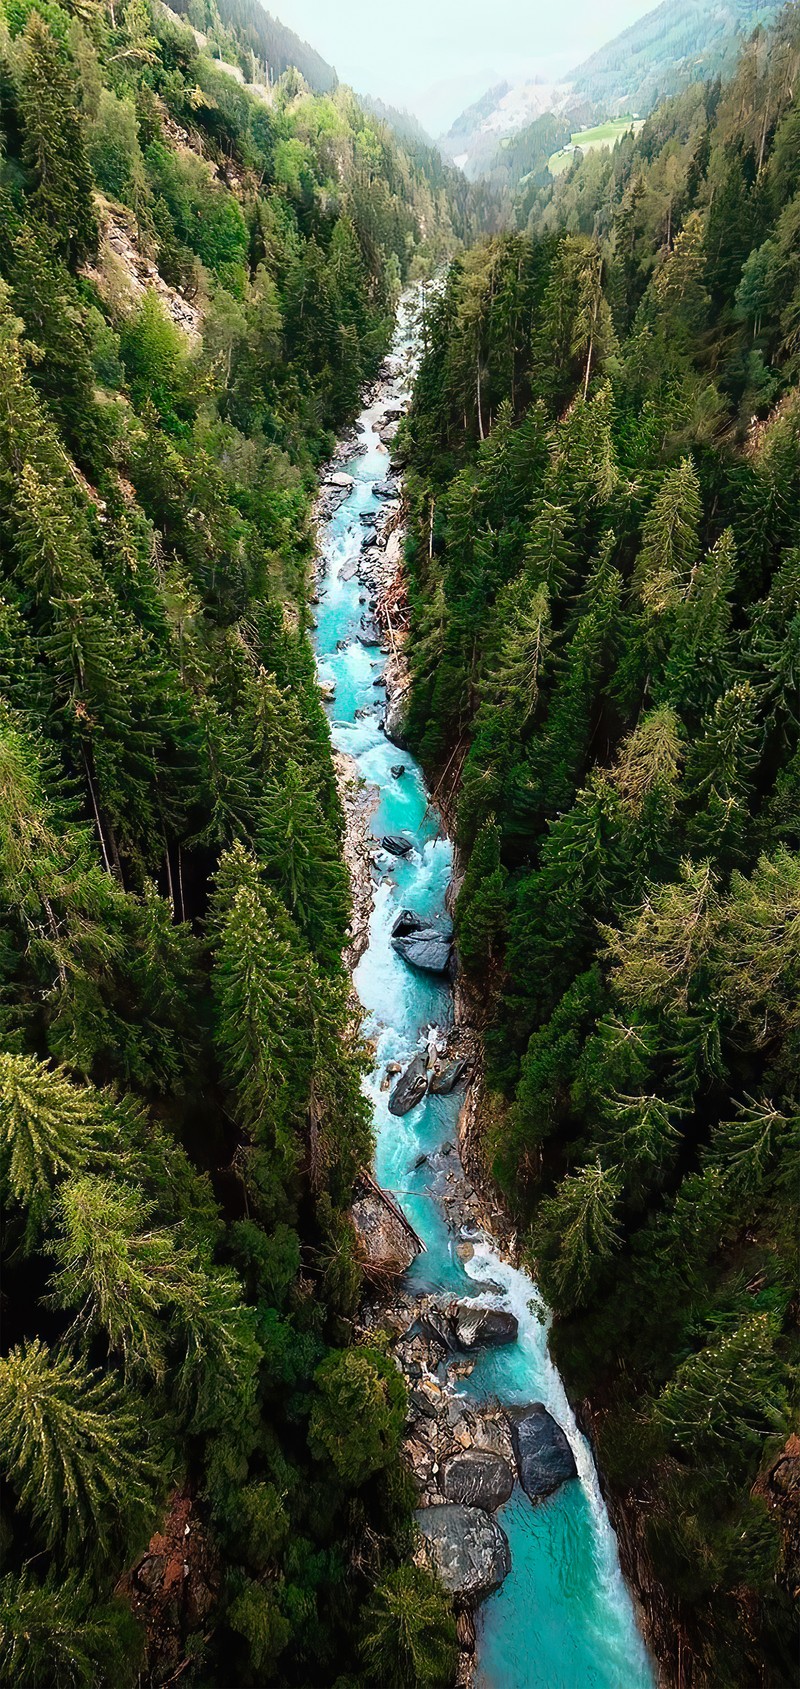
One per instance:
(448, 1077)
(406, 922)
(386, 489)
(425, 949)
(397, 844)
(476, 1326)
(410, 1088)
(393, 723)
(387, 1241)
(477, 1478)
(398, 770)
(544, 1458)
(468, 1548)
(369, 633)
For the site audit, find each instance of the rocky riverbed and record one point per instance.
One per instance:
(480, 1442)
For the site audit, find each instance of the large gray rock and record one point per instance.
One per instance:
(387, 1242)
(369, 633)
(411, 1087)
(476, 1326)
(397, 844)
(477, 1478)
(448, 1077)
(407, 922)
(468, 1549)
(544, 1458)
(426, 950)
(394, 721)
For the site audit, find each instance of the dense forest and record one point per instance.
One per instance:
(195, 281)
(604, 452)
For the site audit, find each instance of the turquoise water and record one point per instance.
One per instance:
(563, 1618)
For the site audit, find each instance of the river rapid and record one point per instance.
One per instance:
(563, 1618)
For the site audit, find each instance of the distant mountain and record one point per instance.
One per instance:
(475, 138)
(681, 41)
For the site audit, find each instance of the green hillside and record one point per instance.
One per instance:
(681, 41)
(605, 582)
(196, 279)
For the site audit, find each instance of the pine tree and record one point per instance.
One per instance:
(480, 910)
(300, 856)
(644, 1139)
(49, 1126)
(72, 1447)
(550, 557)
(54, 147)
(761, 1140)
(409, 1634)
(58, 1633)
(576, 1232)
(357, 1413)
(255, 984)
(730, 1395)
(670, 540)
(662, 951)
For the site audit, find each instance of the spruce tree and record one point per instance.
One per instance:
(73, 1449)
(48, 1125)
(54, 146)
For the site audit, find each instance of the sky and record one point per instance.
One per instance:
(437, 56)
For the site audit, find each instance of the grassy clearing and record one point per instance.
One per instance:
(602, 135)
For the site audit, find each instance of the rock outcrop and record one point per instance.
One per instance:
(475, 1326)
(411, 1087)
(544, 1458)
(467, 1547)
(427, 950)
(477, 1478)
(397, 844)
(387, 1242)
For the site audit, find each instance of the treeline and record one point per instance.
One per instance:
(605, 580)
(181, 1115)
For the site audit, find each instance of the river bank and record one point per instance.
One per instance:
(536, 1585)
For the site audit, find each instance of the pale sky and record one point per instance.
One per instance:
(436, 56)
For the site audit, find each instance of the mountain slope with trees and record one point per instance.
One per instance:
(181, 1114)
(679, 42)
(604, 452)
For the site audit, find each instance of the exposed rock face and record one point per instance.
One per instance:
(386, 1239)
(397, 844)
(426, 949)
(476, 1327)
(544, 1458)
(410, 1088)
(477, 1478)
(468, 1549)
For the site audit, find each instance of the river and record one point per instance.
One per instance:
(563, 1618)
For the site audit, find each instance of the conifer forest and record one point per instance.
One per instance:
(199, 278)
